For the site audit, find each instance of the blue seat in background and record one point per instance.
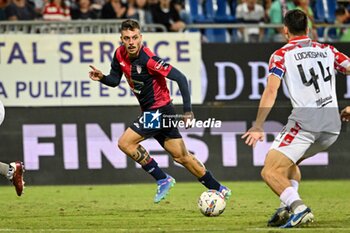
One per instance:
(324, 11)
(233, 6)
(317, 8)
(332, 6)
(217, 35)
(204, 13)
(198, 12)
(209, 9)
(223, 13)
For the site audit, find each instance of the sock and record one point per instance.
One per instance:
(4, 169)
(298, 206)
(209, 181)
(295, 185)
(282, 204)
(152, 168)
(289, 195)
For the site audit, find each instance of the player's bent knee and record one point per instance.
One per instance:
(127, 147)
(263, 173)
(123, 145)
(267, 173)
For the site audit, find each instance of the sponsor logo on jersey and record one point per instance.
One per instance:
(159, 64)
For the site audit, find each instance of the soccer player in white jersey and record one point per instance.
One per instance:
(308, 69)
(13, 171)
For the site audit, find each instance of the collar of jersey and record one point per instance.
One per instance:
(299, 38)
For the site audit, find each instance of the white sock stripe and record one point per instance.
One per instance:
(295, 184)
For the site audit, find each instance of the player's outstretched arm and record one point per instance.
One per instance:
(114, 77)
(187, 118)
(95, 74)
(181, 80)
(256, 133)
(253, 135)
(345, 114)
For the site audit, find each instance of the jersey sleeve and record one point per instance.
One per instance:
(115, 74)
(341, 61)
(181, 80)
(276, 64)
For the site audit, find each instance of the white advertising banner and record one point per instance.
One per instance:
(52, 70)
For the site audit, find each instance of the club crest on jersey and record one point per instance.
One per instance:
(138, 69)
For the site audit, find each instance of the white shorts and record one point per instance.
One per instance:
(296, 143)
(2, 113)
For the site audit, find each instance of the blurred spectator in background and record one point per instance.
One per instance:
(116, 9)
(56, 10)
(342, 17)
(152, 2)
(20, 10)
(267, 6)
(276, 14)
(3, 4)
(166, 14)
(71, 4)
(250, 12)
(185, 16)
(39, 6)
(85, 10)
(143, 11)
(304, 5)
(144, 15)
(97, 4)
(140, 11)
(131, 10)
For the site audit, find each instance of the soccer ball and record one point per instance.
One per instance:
(211, 203)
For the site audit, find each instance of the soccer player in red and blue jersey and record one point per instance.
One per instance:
(146, 75)
(308, 69)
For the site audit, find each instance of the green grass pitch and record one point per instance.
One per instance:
(130, 208)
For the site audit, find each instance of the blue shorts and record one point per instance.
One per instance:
(147, 125)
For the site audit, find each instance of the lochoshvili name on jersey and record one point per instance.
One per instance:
(309, 54)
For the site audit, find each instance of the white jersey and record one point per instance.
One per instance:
(308, 69)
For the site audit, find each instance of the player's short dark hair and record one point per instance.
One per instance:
(296, 22)
(129, 24)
